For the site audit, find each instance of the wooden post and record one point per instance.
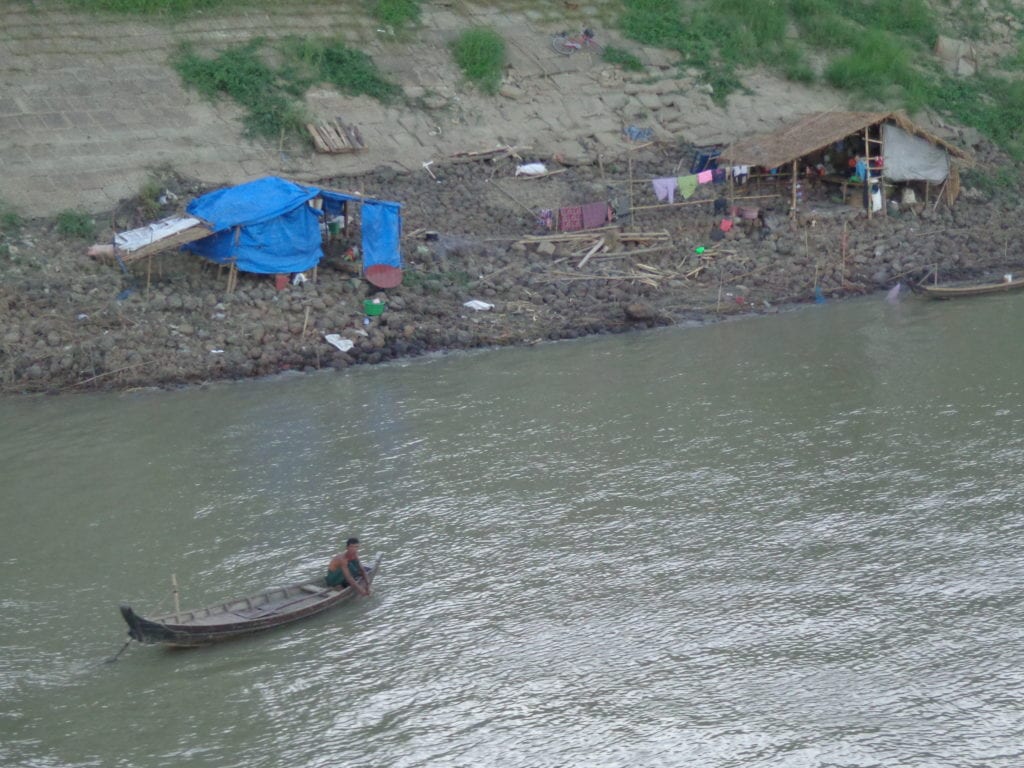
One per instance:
(868, 199)
(305, 322)
(632, 217)
(732, 191)
(842, 250)
(174, 591)
(792, 206)
(149, 273)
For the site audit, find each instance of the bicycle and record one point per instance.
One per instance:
(567, 45)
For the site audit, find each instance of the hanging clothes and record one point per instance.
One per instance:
(570, 218)
(704, 177)
(687, 185)
(595, 215)
(664, 189)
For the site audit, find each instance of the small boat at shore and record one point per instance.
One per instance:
(241, 616)
(959, 290)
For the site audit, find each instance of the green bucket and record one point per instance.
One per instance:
(372, 308)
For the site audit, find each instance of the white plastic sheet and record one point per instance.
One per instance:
(343, 345)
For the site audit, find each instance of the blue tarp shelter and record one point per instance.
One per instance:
(381, 224)
(267, 226)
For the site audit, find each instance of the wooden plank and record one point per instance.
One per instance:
(335, 137)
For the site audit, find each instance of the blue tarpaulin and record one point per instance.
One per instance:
(382, 228)
(268, 227)
(265, 226)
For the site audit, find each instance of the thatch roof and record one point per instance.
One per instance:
(817, 131)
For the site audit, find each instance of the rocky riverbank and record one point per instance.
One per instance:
(72, 324)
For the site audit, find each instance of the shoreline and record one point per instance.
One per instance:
(72, 324)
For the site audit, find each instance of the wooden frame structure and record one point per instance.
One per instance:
(812, 133)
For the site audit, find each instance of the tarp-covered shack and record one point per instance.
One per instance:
(273, 226)
(888, 144)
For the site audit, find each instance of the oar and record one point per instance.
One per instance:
(124, 647)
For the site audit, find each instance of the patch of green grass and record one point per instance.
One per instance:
(311, 61)
(821, 26)
(622, 58)
(175, 9)
(10, 222)
(271, 96)
(909, 18)
(149, 195)
(242, 74)
(76, 224)
(1003, 183)
(397, 14)
(794, 65)
(993, 105)
(877, 63)
(480, 54)
(657, 23)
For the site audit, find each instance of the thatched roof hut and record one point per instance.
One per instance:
(909, 152)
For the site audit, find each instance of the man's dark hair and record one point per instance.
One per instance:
(351, 541)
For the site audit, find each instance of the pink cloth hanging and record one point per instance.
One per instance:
(595, 215)
(570, 219)
(704, 177)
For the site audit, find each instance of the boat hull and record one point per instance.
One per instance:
(239, 617)
(976, 289)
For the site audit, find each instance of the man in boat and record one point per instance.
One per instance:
(345, 569)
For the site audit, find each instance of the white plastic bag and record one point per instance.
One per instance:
(531, 169)
(343, 345)
(478, 305)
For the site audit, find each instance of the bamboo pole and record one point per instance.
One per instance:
(792, 185)
(842, 251)
(632, 217)
(597, 246)
(174, 591)
(869, 201)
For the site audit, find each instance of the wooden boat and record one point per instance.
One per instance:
(958, 290)
(270, 608)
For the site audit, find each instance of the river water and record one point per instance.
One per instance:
(794, 540)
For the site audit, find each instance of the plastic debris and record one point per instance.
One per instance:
(636, 133)
(531, 169)
(478, 305)
(343, 345)
(299, 279)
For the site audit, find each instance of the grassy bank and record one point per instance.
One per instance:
(879, 51)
